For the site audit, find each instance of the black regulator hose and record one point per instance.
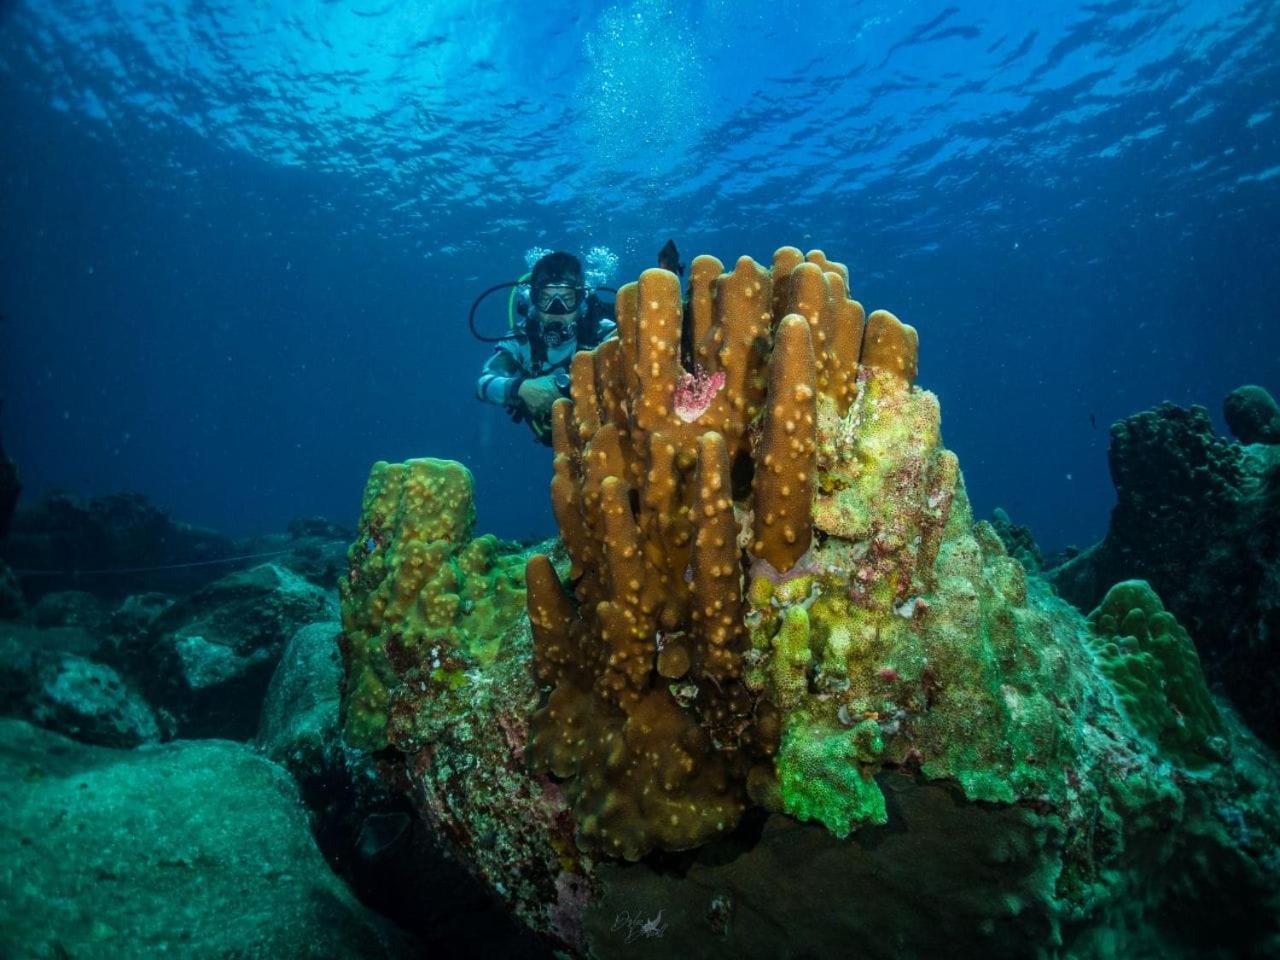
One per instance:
(471, 317)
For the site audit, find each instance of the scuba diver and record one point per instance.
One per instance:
(560, 314)
(529, 367)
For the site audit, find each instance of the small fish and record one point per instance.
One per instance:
(1093, 421)
(370, 545)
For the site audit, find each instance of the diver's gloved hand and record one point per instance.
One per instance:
(539, 393)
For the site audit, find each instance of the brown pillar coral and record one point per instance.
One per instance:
(671, 426)
(716, 569)
(891, 345)
(785, 473)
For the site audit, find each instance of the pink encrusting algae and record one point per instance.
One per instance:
(695, 391)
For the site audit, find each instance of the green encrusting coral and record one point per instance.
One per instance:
(909, 619)
(420, 593)
(824, 775)
(1154, 667)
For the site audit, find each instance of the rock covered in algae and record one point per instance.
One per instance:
(436, 651)
(752, 738)
(194, 848)
(1198, 517)
(1252, 414)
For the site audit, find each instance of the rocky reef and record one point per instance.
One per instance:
(780, 694)
(195, 848)
(71, 541)
(1198, 517)
(127, 834)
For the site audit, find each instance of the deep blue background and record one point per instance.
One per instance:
(239, 243)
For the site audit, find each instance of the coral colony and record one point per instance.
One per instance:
(774, 623)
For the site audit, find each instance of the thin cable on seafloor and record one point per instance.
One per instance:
(163, 566)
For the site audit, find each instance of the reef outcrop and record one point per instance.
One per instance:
(778, 657)
(72, 540)
(1252, 415)
(1198, 517)
(208, 658)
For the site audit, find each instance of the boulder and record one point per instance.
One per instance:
(299, 725)
(1252, 415)
(313, 547)
(49, 676)
(130, 622)
(90, 702)
(70, 608)
(194, 849)
(23, 650)
(209, 658)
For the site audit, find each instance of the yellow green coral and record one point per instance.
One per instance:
(827, 775)
(420, 595)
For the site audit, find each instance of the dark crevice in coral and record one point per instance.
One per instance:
(741, 474)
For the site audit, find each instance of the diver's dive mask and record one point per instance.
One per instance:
(558, 299)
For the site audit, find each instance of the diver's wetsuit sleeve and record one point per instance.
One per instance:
(499, 381)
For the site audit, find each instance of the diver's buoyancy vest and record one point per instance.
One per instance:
(530, 351)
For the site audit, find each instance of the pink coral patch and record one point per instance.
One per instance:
(694, 393)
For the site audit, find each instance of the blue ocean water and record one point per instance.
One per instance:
(241, 238)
